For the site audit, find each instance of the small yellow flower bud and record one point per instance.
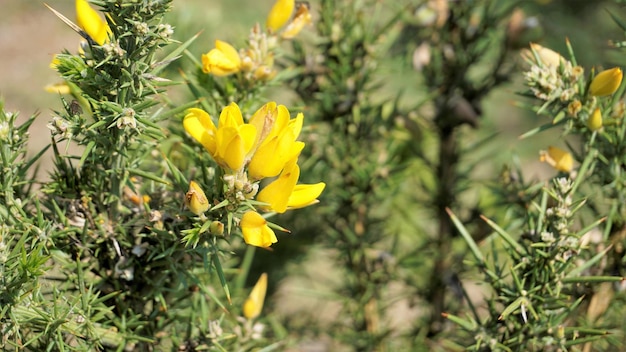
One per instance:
(558, 159)
(253, 306)
(594, 122)
(606, 82)
(216, 228)
(196, 199)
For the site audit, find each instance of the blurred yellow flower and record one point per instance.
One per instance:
(196, 199)
(300, 19)
(223, 60)
(594, 122)
(279, 14)
(89, 20)
(230, 142)
(253, 306)
(547, 57)
(58, 88)
(255, 230)
(606, 82)
(277, 143)
(558, 159)
(282, 194)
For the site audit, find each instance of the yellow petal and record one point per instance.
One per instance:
(606, 82)
(223, 60)
(255, 230)
(199, 125)
(279, 14)
(231, 116)
(263, 119)
(58, 88)
(594, 122)
(558, 159)
(300, 19)
(277, 193)
(305, 195)
(89, 20)
(196, 199)
(229, 51)
(253, 306)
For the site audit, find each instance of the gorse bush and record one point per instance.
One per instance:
(291, 191)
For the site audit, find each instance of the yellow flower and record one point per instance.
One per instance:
(253, 306)
(58, 88)
(223, 60)
(300, 19)
(283, 193)
(230, 142)
(594, 122)
(546, 56)
(89, 20)
(277, 143)
(196, 199)
(606, 82)
(558, 159)
(255, 230)
(279, 14)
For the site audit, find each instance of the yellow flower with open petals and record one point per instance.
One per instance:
(230, 142)
(89, 20)
(606, 82)
(255, 230)
(284, 193)
(277, 144)
(223, 60)
(253, 306)
(305, 195)
(279, 14)
(558, 159)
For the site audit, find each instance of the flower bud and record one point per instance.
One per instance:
(253, 306)
(547, 57)
(606, 82)
(594, 122)
(196, 199)
(216, 228)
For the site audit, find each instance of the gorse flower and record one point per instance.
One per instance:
(277, 140)
(89, 20)
(281, 193)
(196, 199)
(255, 230)
(253, 306)
(558, 159)
(594, 122)
(265, 147)
(230, 142)
(279, 14)
(223, 60)
(606, 82)
(300, 19)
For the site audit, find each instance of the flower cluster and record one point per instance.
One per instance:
(265, 147)
(563, 87)
(256, 62)
(569, 97)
